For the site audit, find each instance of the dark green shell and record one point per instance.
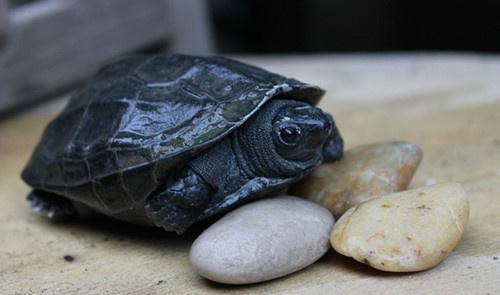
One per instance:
(142, 115)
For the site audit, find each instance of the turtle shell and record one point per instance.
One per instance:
(140, 116)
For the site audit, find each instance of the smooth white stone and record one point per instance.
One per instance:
(263, 240)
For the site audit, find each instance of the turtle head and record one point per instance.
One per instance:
(288, 137)
(301, 131)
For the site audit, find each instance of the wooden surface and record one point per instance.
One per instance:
(448, 104)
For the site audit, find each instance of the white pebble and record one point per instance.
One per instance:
(263, 240)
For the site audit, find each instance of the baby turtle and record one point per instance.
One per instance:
(172, 140)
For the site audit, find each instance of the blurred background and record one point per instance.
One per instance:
(48, 47)
(260, 26)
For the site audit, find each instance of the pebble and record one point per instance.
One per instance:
(365, 172)
(263, 240)
(405, 231)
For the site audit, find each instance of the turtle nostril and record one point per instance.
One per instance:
(328, 126)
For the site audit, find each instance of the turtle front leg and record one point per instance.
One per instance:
(50, 205)
(180, 201)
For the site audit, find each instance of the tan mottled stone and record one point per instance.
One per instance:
(364, 173)
(405, 231)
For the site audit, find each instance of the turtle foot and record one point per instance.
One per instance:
(178, 206)
(50, 205)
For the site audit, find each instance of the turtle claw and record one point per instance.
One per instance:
(50, 206)
(51, 213)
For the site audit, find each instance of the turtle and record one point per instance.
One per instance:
(172, 140)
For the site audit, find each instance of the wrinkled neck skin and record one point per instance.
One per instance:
(256, 145)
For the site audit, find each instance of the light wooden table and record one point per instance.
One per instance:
(447, 104)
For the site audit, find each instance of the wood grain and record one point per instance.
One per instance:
(4, 22)
(55, 44)
(449, 105)
(191, 27)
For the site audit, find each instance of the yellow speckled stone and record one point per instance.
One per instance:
(406, 231)
(364, 173)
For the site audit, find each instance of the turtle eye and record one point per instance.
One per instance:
(289, 135)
